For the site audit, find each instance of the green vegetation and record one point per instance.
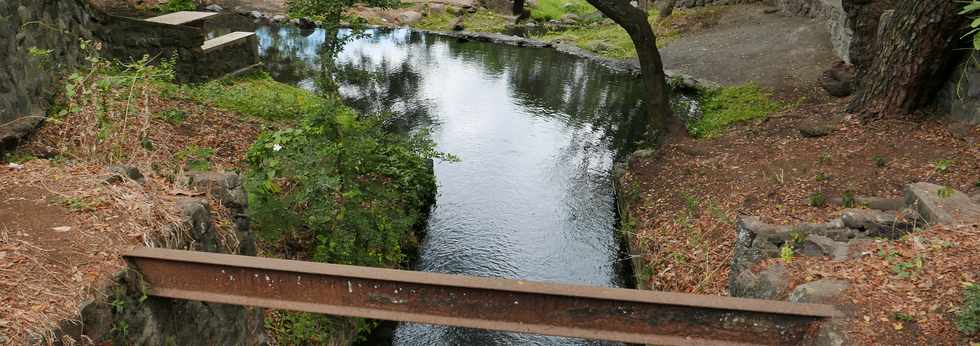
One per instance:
(301, 328)
(554, 9)
(848, 199)
(610, 40)
(255, 95)
(726, 106)
(786, 252)
(194, 158)
(910, 268)
(945, 192)
(481, 21)
(942, 165)
(818, 200)
(354, 190)
(879, 161)
(970, 8)
(821, 177)
(173, 116)
(330, 12)
(176, 6)
(968, 318)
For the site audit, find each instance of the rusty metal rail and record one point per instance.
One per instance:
(498, 304)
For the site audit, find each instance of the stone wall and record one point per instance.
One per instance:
(961, 95)
(39, 41)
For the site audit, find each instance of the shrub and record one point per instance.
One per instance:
(177, 6)
(968, 319)
(818, 200)
(351, 188)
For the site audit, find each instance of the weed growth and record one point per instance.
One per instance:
(729, 105)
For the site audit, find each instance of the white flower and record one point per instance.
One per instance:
(276, 147)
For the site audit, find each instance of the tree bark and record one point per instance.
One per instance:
(634, 21)
(667, 8)
(518, 8)
(914, 57)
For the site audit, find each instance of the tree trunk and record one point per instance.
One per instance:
(863, 20)
(518, 8)
(634, 21)
(915, 55)
(667, 8)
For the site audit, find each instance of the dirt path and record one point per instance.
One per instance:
(786, 54)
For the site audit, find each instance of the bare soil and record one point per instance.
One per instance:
(786, 54)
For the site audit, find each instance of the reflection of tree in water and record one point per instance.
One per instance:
(560, 85)
(385, 87)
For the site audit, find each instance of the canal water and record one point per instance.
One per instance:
(536, 132)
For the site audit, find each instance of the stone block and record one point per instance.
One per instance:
(949, 207)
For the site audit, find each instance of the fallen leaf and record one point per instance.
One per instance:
(62, 229)
(898, 326)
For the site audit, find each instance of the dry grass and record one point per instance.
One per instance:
(47, 270)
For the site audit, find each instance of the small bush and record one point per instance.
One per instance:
(173, 116)
(195, 158)
(968, 319)
(177, 6)
(879, 161)
(849, 200)
(729, 105)
(353, 189)
(818, 200)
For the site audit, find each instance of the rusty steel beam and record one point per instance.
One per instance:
(613, 314)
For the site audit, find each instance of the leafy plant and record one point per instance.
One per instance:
(821, 177)
(797, 237)
(173, 115)
(945, 192)
(352, 189)
(818, 200)
(195, 158)
(176, 6)
(970, 9)
(968, 318)
(786, 252)
(901, 316)
(879, 161)
(849, 200)
(909, 268)
(942, 165)
(256, 95)
(330, 12)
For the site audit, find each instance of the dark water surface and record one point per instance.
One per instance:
(536, 132)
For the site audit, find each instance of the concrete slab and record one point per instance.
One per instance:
(181, 18)
(940, 205)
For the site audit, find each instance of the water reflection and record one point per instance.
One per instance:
(536, 131)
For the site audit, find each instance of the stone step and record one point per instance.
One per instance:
(225, 40)
(181, 18)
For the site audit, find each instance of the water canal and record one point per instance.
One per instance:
(536, 132)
